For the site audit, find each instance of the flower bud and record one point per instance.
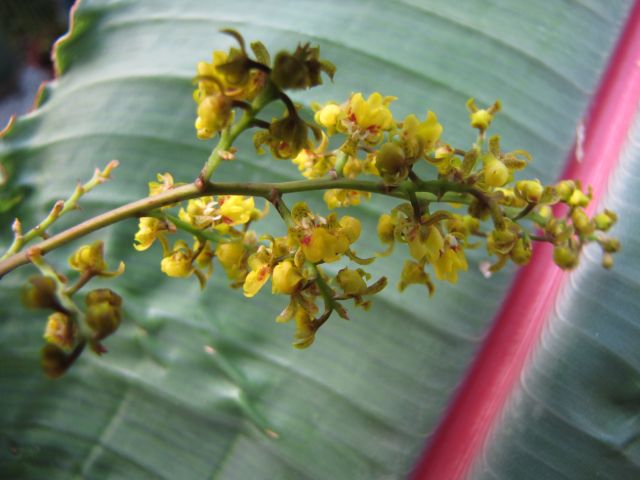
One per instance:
(300, 69)
(89, 258)
(521, 252)
(501, 241)
(605, 220)
(495, 172)
(179, 263)
(578, 199)
(54, 361)
(103, 312)
(351, 281)
(285, 278)
(529, 190)
(609, 245)
(565, 189)
(607, 260)
(391, 162)
(481, 118)
(565, 257)
(328, 116)
(287, 136)
(351, 227)
(214, 114)
(386, 228)
(230, 254)
(41, 293)
(581, 222)
(60, 331)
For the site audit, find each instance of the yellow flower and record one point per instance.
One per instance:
(286, 278)
(221, 214)
(236, 209)
(425, 242)
(103, 312)
(179, 262)
(413, 274)
(351, 227)
(165, 183)
(232, 256)
(386, 228)
(60, 331)
(529, 190)
(420, 137)
(315, 163)
(149, 229)
(481, 118)
(214, 114)
(339, 197)
(368, 119)
(305, 331)
(328, 116)
(89, 258)
(260, 264)
(451, 259)
(351, 281)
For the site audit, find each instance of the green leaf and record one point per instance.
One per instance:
(195, 384)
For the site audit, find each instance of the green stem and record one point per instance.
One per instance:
(210, 235)
(59, 209)
(229, 135)
(341, 161)
(432, 191)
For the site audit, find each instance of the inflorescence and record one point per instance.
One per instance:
(350, 151)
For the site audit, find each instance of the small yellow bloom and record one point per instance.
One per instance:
(529, 190)
(179, 262)
(368, 119)
(495, 172)
(481, 118)
(214, 114)
(351, 281)
(60, 331)
(260, 264)
(386, 228)
(103, 312)
(165, 183)
(351, 227)
(329, 116)
(89, 258)
(420, 137)
(305, 333)
(286, 278)
(231, 256)
(413, 274)
(149, 229)
(451, 260)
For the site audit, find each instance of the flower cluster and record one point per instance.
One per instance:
(450, 199)
(69, 327)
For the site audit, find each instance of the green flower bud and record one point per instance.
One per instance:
(300, 69)
(605, 220)
(581, 222)
(496, 173)
(351, 281)
(386, 228)
(103, 312)
(60, 331)
(392, 163)
(41, 294)
(565, 189)
(565, 257)
(521, 252)
(529, 190)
